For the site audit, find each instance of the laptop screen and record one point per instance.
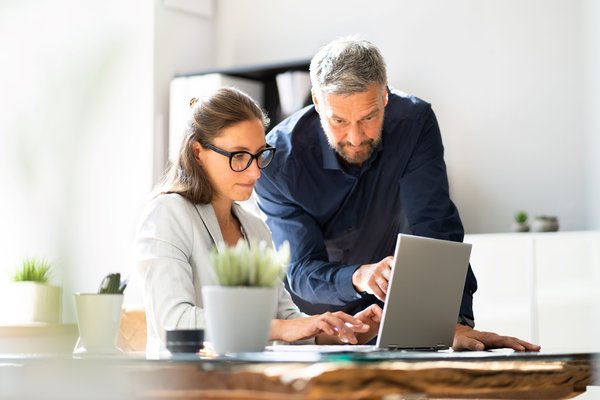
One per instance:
(424, 293)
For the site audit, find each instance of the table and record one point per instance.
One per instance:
(302, 375)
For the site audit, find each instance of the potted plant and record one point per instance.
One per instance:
(520, 222)
(29, 297)
(244, 297)
(99, 317)
(544, 223)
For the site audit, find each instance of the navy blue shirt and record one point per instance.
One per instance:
(337, 217)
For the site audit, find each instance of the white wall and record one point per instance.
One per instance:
(183, 42)
(75, 154)
(504, 77)
(591, 102)
(82, 86)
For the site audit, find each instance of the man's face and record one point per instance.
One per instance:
(352, 123)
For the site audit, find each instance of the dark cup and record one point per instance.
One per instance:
(185, 340)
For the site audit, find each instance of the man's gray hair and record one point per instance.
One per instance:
(347, 65)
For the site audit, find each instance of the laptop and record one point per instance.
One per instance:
(424, 294)
(423, 300)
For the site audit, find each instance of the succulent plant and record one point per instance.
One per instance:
(254, 265)
(111, 284)
(521, 217)
(34, 270)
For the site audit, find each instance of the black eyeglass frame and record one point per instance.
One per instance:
(231, 154)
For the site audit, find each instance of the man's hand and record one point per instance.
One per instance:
(466, 338)
(373, 278)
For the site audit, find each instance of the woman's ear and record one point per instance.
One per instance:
(197, 149)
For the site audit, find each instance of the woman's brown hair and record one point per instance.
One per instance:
(210, 116)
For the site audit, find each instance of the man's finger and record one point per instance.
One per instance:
(383, 285)
(377, 292)
(387, 271)
(467, 343)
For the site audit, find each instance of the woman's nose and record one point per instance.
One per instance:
(253, 169)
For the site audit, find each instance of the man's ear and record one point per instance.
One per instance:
(314, 99)
(196, 149)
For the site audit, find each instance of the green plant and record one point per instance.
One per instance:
(243, 265)
(33, 270)
(112, 284)
(521, 217)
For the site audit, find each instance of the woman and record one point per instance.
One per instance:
(220, 160)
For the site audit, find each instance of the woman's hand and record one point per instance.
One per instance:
(372, 317)
(337, 327)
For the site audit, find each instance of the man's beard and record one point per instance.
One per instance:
(367, 148)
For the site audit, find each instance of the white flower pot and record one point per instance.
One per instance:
(520, 227)
(238, 319)
(98, 320)
(30, 302)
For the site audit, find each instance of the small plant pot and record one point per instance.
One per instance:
(238, 319)
(544, 224)
(98, 320)
(30, 303)
(520, 227)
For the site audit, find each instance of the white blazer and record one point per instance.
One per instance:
(173, 243)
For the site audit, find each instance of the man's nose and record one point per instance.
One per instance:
(355, 136)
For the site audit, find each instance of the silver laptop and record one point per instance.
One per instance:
(423, 299)
(424, 294)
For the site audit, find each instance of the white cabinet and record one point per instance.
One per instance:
(542, 287)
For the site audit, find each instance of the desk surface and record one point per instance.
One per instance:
(277, 375)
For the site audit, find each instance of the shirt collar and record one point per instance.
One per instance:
(330, 160)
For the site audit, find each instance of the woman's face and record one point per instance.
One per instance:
(230, 185)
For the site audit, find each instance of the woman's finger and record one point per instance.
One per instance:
(341, 329)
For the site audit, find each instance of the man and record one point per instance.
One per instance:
(351, 172)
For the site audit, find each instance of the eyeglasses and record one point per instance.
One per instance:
(241, 160)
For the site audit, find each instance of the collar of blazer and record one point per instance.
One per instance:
(209, 218)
